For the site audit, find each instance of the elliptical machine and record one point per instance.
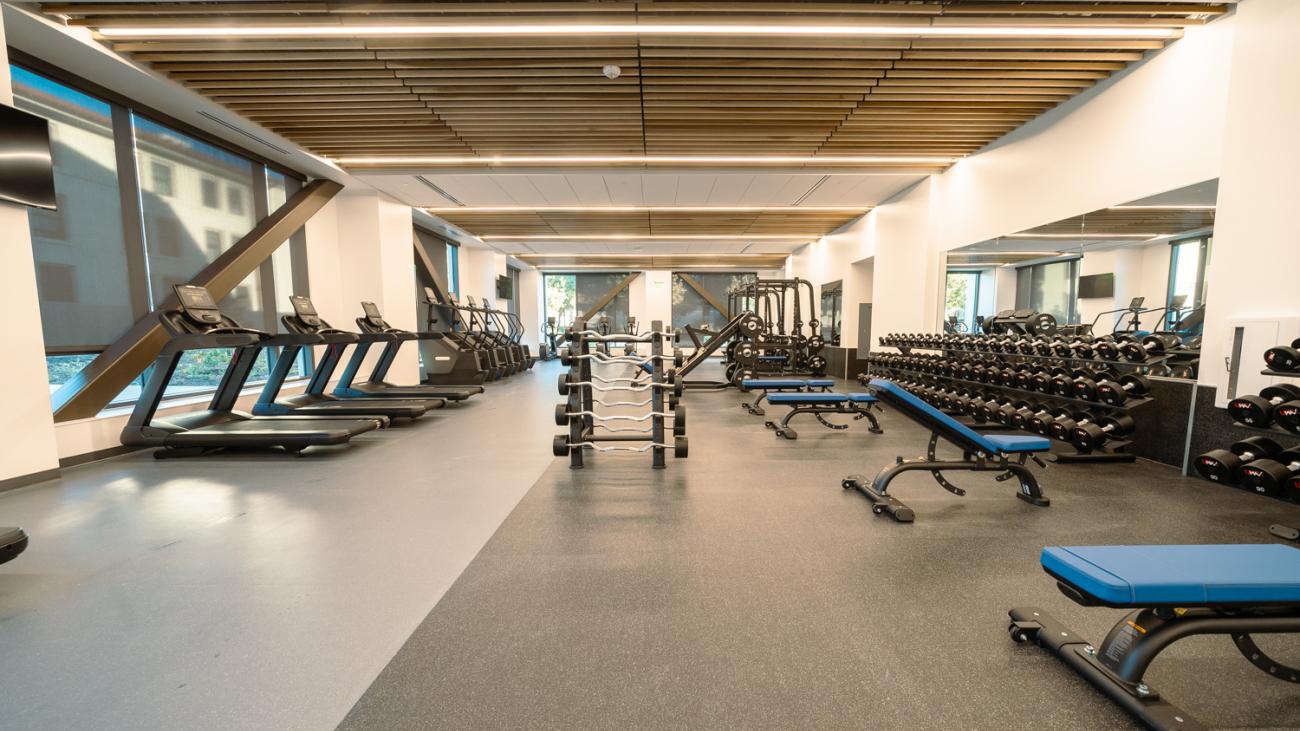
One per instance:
(550, 333)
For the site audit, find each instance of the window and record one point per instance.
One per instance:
(212, 241)
(1049, 288)
(692, 308)
(85, 234)
(174, 226)
(95, 277)
(235, 198)
(961, 302)
(56, 282)
(831, 306)
(1187, 260)
(162, 178)
(559, 292)
(453, 268)
(211, 193)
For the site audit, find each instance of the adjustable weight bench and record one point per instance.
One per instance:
(980, 453)
(1176, 592)
(780, 385)
(857, 404)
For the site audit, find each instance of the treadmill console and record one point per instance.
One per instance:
(429, 296)
(1178, 302)
(373, 315)
(1136, 304)
(197, 304)
(305, 310)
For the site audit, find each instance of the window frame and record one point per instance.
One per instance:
(1072, 295)
(1198, 289)
(131, 197)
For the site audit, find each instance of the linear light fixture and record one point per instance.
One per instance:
(653, 237)
(490, 160)
(1080, 236)
(645, 209)
(636, 29)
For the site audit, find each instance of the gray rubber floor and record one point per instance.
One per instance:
(743, 587)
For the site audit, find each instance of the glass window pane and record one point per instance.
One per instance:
(1047, 288)
(589, 289)
(689, 308)
(961, 303)
(200, 371)
(453, 269)
(176, 218)
(559, 293)
(80, 250)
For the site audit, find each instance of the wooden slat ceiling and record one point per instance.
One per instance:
(806, 224)
(668, 261)
(354, 96)
(1128, 221)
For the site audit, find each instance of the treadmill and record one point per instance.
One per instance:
(196, 323)
(13, 541)
(374, 327)
(306, 327)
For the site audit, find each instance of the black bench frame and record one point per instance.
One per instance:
(858, 409)
(755, 407)
(974, 459)
(1118, 665)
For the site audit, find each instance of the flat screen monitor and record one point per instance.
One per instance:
(1095, 286)
(26, 164)
(505, 288)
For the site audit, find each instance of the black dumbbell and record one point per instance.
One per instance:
(1094, 434)
(1116, 393)
(1004, 413)
(1259, 410)
(1107, 348)
(1022, 417)
(1041, 423)
(1085, 385)
(1151, 346)
(1284, 358)
(1064, 425)
(1269, 476)
(1221, 465)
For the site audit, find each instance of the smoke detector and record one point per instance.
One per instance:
(611, 71)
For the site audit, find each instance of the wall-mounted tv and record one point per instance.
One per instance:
(505, 288)
(26, 165)
(1095, 286)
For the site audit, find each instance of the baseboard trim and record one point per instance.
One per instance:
(95, 456)
(13, 483)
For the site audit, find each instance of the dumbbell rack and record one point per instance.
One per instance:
(590, 375)
(1034, 356)
(1271, 428)
(1113, 451)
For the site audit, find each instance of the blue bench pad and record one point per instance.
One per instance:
(999, 444)
(820, 398)
(761, 383)
(1142, 576)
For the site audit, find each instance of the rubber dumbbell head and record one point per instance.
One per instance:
(1116, 393)
(1270, 476)
(1221, 465)
(1095, 434)
(1284, 358)
(1259, 410)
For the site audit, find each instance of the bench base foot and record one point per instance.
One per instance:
(1031, 625)
(1040, 501)
(882, 503)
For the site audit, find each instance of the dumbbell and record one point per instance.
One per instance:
(1006, 412)
(1284, 358)
(1221, 465)
(1269, 476)
(1259, 410)
(1116, 393)
(1042, 380)
(1041, 423)
(1153, 345)
(1022, 417)
(1064, 425)
(1108, 348)
(1085, 385)
(1094, 434)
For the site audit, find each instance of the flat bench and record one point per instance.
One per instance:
(1003, 453)
(766, 385)
(1176, 592)
(819, 403)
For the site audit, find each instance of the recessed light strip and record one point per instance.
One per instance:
(1161, 208)
(654, 237)
(1083, 236)
(636, 29)
(646, 209)
(503, 160)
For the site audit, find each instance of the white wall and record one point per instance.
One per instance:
(1158, 127)
(26, 419)
(1252, 261)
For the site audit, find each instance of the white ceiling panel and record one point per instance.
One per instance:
(693, 189)
(729, 189)
(624, 189)
(555, 189)
(472, 190)
(590, 189)
(767, 190)
(659, 190)
(521, 190)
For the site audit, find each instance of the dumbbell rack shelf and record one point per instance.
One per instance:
(1270, 429)
(1112, 452)
(906, 349)
(1279, 374)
